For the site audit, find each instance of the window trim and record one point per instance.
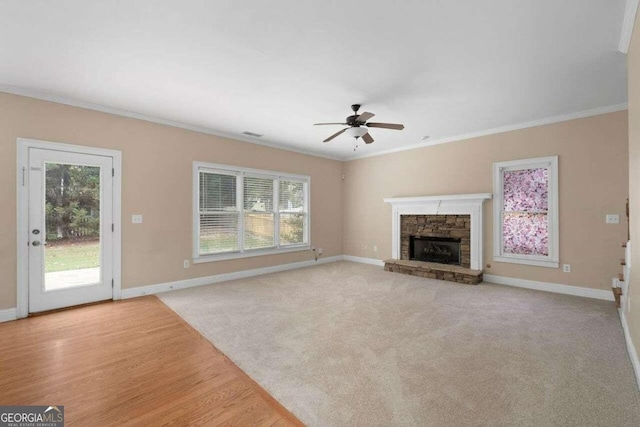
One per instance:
(553, 259)
(239, 172)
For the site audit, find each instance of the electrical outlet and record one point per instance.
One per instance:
(612, 219)
(186, 263)
(319, 251)
(375, 248)
(136, 219)
(566, 268)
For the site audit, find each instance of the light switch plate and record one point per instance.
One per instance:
(613, 219)
(136, 219)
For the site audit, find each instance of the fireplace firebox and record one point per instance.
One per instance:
(445, 250)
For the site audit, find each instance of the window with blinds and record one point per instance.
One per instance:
(218, 213)
(259, 218)
(292, 209)
(245, 212)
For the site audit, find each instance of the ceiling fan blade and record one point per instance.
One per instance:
(321, 124)
(364, 117)
(334, 135)
(395, 126)
(367, 138)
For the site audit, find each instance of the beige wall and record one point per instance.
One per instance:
(157, 171)
(633, 317)
(348, 217)
(593, 181)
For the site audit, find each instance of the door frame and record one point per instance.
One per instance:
(22, 187)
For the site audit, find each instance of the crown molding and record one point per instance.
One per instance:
(628, 23)
(509, 128)
(30, 93)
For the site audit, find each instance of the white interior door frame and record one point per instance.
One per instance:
(23, 145)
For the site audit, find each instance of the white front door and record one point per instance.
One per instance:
(70, 229)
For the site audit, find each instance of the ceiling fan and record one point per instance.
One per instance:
(356, 121)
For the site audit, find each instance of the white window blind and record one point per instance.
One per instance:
(218, 213)
(292, 209)
(259, 218)
(246, 212)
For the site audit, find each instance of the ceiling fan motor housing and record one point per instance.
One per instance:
(351, 120)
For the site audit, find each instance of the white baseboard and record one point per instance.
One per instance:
(520, 283)
(633, 355)
(201, 281)
(508, 281)
(362, 260)
(8, 315)
(550, 287)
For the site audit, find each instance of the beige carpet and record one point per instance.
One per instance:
(347, 344)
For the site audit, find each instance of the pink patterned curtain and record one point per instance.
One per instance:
(525, 219)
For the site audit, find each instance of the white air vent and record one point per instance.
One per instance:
(256, 135)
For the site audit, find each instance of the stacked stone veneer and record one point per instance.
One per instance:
(456, 226)
(432, 270)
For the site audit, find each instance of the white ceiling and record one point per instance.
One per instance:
(443, 68)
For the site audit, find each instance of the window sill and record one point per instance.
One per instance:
(250, 253)
(527, 261)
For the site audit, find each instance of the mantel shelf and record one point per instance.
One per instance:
(467, 198)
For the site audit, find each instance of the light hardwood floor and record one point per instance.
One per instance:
(131, 362)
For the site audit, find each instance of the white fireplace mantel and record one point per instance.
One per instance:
(454, 204)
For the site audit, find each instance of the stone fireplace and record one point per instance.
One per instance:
(438, 237)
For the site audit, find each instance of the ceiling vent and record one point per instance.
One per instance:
(255, 135)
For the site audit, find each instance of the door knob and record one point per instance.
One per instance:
(35, 243)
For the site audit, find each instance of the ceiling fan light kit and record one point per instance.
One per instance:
(355, 129)
(355, 132)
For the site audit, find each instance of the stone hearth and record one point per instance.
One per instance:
(432, 270)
